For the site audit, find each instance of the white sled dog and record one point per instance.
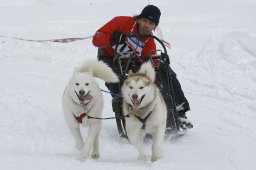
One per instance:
(143, 102)
(83, 98)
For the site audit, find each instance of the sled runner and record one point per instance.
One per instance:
(131, 61)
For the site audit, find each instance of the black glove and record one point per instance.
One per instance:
(117, 38)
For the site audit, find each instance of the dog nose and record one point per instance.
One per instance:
(134, 96)
(81, 92)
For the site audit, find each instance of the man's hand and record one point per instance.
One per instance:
(117, 38)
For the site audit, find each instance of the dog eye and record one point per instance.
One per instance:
(77, 84)
(131, 87)
(87, 84)
(141, 87)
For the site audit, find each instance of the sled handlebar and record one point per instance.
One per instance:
(164, 56)
(152, 36)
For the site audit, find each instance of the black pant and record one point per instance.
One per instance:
(179, 96)
(114, 88)
(165, 87)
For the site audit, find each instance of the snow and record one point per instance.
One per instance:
(213, 53)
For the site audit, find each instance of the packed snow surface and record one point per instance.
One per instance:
(213, 53)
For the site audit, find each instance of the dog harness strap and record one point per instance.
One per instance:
(80, 118)
(143, 121)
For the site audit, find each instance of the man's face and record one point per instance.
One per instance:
(146, 26)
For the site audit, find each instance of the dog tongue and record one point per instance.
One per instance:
(136, 103)
(86, 97)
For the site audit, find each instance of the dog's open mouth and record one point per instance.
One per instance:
(136, 102)
(85, 98)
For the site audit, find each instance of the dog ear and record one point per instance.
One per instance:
(148, 71)
(130, 72)
(75, 70)
(145, 72)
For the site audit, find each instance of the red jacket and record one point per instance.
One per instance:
(126, 25)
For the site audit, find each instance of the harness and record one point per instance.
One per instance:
(143, 121)
(80, 118)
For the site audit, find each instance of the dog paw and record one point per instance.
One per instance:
(85, 156)
(143, 157)
(95, 155)
(155, 157)
(85, 153)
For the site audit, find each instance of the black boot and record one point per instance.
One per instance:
(184, 123)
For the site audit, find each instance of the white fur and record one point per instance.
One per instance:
(83, 79)
(143, 85)
(148, 70)
(100, 70)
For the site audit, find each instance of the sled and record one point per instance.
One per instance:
(130, 61)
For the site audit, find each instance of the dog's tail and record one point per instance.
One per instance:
(148, 70)
(99, 69)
